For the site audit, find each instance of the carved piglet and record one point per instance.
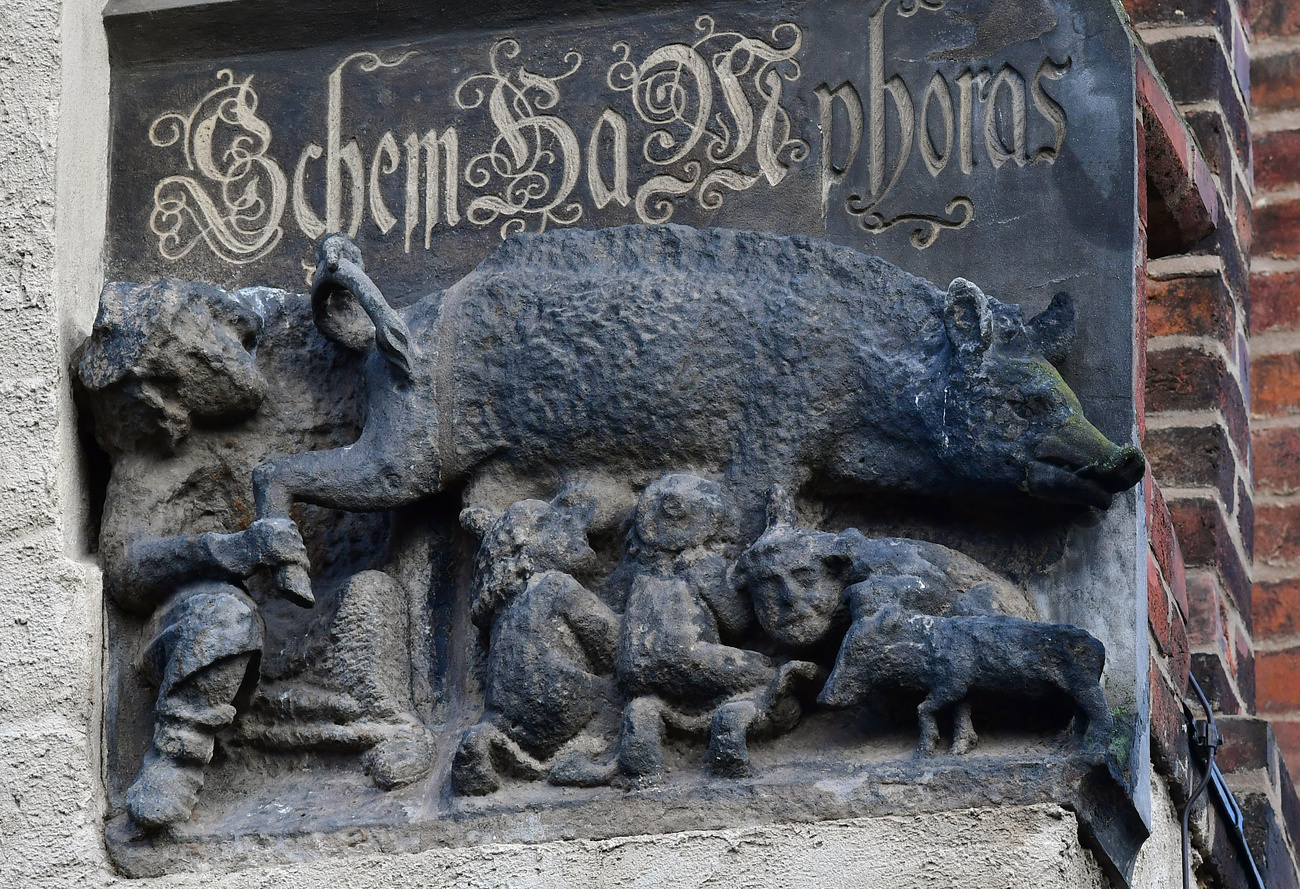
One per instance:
(947, 658)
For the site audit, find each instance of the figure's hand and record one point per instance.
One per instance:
(279, 546)
(276, 542)
(270, 543)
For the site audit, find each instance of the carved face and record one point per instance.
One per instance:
(165, 352)
(794, 578)
(530, 538)
(212, 361)
(1008, 416)
(679, 511)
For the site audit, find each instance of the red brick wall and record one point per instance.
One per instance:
(1222, 329)
(1197, 430)
(1275, 369)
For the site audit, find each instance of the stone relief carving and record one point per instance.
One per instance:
(624, 418)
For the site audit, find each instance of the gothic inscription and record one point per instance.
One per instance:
(541, 134)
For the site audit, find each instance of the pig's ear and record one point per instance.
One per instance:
(1052, 330)
(967, 318)
(476, 520)
(780, 507)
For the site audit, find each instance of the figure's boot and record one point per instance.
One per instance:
(190, 714)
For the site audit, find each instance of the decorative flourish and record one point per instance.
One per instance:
(873, 222)
(225, 142)
(536, 157)
(909, 8)
(667, 185)
(673, 89)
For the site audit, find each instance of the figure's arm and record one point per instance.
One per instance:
(878, 592)
(150, 568)
(732, 608)
(595, 625)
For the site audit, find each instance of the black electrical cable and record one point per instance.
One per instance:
(1206, 735)
(1211, 744)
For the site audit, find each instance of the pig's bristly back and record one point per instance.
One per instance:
(694, 343)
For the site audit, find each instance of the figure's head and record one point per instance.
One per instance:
(1009, 418)
(680, 511)
(795, 578)
(163, 354)
(529, 538)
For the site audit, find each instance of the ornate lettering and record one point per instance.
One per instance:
(225, 142)
(851, 102)
(935, 159)
(1050, 108)
(528, 149)
(709, 116)
(389, 157)
(448, 146)
(673, 89)
(602, 194)
(883, 91)
(1008, 81)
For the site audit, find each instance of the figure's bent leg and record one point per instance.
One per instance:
(204, 652)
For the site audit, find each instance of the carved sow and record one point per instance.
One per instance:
(641, 350)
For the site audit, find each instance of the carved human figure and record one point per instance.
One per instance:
(163, 359)
(673, 665)
(907, 614)
(551, 648)
(804, 582)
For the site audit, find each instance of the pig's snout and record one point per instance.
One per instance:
(1120, 471)
(1077, 464)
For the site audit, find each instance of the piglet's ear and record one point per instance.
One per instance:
(780, 507)
(1052, 330)
(476, 520)
(967, 319)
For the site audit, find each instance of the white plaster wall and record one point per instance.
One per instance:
(53, 138)
(1160, 863)
(53, 87)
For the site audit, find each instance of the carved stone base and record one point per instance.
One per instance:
(309, 823)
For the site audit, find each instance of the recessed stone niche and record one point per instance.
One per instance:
(531, 423)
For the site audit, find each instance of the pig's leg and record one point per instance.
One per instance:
(363, 477)
(963, 735)
(941, 695)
